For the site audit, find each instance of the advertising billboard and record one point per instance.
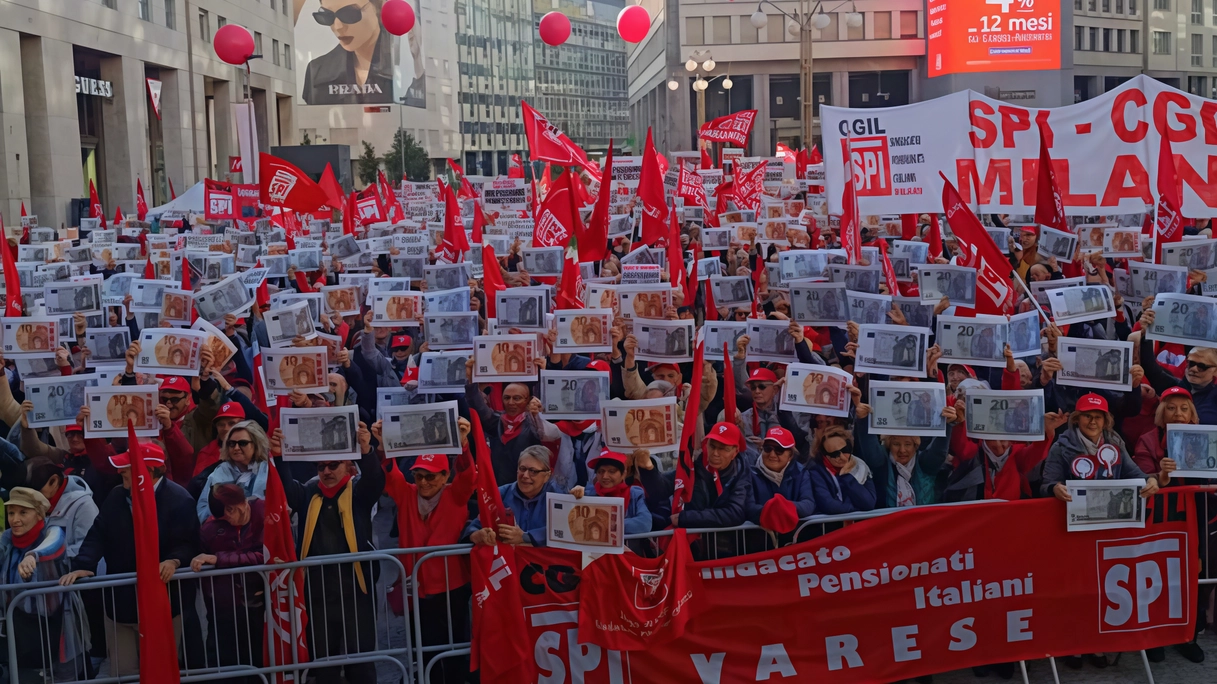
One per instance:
(349, 58)
(967, 36)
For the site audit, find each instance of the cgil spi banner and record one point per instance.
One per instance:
(912, 593)
(1104, 152)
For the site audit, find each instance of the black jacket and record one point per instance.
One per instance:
(112, 537)
(330, 78)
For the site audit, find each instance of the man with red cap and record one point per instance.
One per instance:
(179, 453)
(387, 372)
(1090, 449)
(780, 484)
(611, 469)
(112, 537)
(764, 415)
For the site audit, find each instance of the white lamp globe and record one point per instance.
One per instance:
(673, 85)
(758, 19)
(691, 65)
(708, 65)
(853, 20)
(821, 21)
(727, 83)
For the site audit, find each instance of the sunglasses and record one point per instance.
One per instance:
(173, 401)
(427, 476)
(239, 443)
(843, 451)
(1200, 366)
(327, 465)
(351, 14)
(760, 386)
(770, 448)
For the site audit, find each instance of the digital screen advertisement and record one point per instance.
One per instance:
(968, 36)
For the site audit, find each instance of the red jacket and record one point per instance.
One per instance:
(1150, 451)
(1011, 483)
(179, 455)
(207, 456)
(442, 527)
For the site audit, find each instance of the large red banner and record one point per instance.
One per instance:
(916, 592)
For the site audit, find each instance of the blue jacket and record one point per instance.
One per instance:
(837, 494)
(530, 514)
(796, 486)
(637, 516)
(707, 508)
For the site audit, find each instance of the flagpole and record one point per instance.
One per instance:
(1027, 291)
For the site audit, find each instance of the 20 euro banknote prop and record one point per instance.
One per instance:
(1104, 505)
(33, 336)
(455, 300)
(820, 304)
(584, 330)
(169, 351)
(892, 350)
(803, 264)
(320, 434)
(908, 408)
(976, 341)
(68, 298)
(956, 283)
(522, 307)
(592, 524)
(1095, 363)
(640, 424)
(664, 341)
(57, 401)
(573, 395)
(1017, 415)
(1024, 337)
(770, 341)
(722, 332)
(1083, 303)
(417, 429)
(732, 290)
(1183, 319)
(822, 390)
(107, 344)
(229, 296)
(505, 358)
(442, 372)
(451, 331)
(111, 407)
(857, 278)
(299, 369)
(1194, 255)
(1194, 448)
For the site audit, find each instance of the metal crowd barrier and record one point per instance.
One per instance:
(423, 640)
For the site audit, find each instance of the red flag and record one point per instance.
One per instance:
(157, 650)
(479, 223)
(118, 216)
(546, 182)
(95, 210)
(535, 200)
(368, 206)
(711, 309)
(650, 193)
(186, 276)
(994, 292)
(334, 196)
(787, 154)
(283, 184)
(889, 273)
(492, 278)
(689, 186)
(559, 217)
(722, 194)
(455, 241)
(23, 214)
(729, 409)
(815, 157)
(500, 647)
(348, 215)
(570, 289)
(467, 191)
(677, 275)
(851, 222)
(261, 295)
(547, 143)
(279, 546)
(908, 226)
(683, 491)
(393, 211)
(12, 279)
(515, 168)
(581, 194)
(491, 510)
(1168, 222)
(749, 185)
(801, 160)
(935, 237)
(732, 128)
(141, 204)
(1049, 206)
(662, 161)
(172, 192)
(593, 243)
(706, 161)
(302, 283)
(456, 167)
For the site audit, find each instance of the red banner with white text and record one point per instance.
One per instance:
(917, 592)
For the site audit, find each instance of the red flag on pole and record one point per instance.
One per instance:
(479, 224)
(141, 204)
(157, 650)
(515, 168)
(492, 278)
(1049, 206)
(149, 269)
(547, 143)
(683, 491)
(95, 210)
(749, 185)
(593, 243)
(348, 215)
(394, 212)
(23, 214)
(908, 226)
(118, 216)
(499, 648)
(172, 192)
(935, 237)
(677, 275)
(889, 273)
(689, 186)
(994, 291)
(455, 241)
(570, 289)
(334, 196)
(491, 510)
(283, 184)
(559, 217)
(1168, 221)
(729, 409)
(650, 193)
(368, 206)
(851, 222)
(706, 161)
(732, 128)
(285, 632)
(12, 279)
(711, 308)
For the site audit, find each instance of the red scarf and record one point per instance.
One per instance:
(24, 541)
(63, 486)
(718, 483)
(512, 426)
(828, 464)
(622, 490)
(573, 428)
(331, 492)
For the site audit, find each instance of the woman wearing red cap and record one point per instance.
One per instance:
(611, 470)
(1175, 407)
(779, 481)
(1090, 449)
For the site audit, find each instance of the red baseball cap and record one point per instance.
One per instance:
(74, 427)
(727, 433)
(230, 409)
(609, 456)
(779, 515)
(153, 455)
(1091, 402)
(175, 383)
(400, 341)
(599, 365)
(432, 463)
(782, 436)
(657, 366)
(1176, 392)
(762, 375)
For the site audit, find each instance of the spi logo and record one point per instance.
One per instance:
(1143, 583)
(871, 165)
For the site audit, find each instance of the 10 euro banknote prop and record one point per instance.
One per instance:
(320, 434)
(296, 369)
(222, 349)
(573, 395)
(908, 408)
(1016, 415)
(417, 429)
(640, 424)
(584, 330)
(396, 309)
(34, 336)
(822, 390)
(1179, 318)
(505, 358)
(170, 351)
(1194, 448)
(592, 524)
(111, 407)
(57, 401)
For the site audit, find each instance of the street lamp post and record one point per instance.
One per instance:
(705, 62)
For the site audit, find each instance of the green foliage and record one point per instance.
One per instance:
(408, 158)
(369, 165)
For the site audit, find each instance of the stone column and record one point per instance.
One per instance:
(52, 127)
(125, 131)
(14, 149)
(762, 146)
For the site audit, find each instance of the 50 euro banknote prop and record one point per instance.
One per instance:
(1179, 318)
(33, 336)
(505, 358)
(908, 408)
(320, 434)
(170, 351)
(640, 424)
(57, 401)
(300, 369)
(111, 407)
(1095, 363)
(1016, 415)
(892, 350)
(417, 429)
(822, 390)
(573, 395)
(442, 372)
(584, 330)
(1194, 448)
(592, 524)
(975, 341)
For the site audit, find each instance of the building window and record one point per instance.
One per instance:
(1162, 42)
(1092, 5)
(258, 44)
(1077, 5)
(1132, 8)
(1215, 51)
(1119, 6)
(1134, 40)
(695, 30)
(204, 26)
(145, 10)
(775, 31)
(112, 4)
(221, 22)
(287, 58)
(1198, 12)
(908, 24)
(883, 25)
(1094, 39)
(1162, 4)
(722, 30)
(747, 32)
(1108, 43)
(1197, 49)
(1079, 37)
(855, 33)
(284, 7)
(1107, 5)
(274, 51)
(1120, 40)
(830, 32)
(272, 5)
(171, 14)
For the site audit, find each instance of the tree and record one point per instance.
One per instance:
(408, 158)
(307, 140)
(369, 164)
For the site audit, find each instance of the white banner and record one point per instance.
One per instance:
(1104, 152)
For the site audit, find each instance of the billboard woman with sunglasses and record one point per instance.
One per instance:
(360, 68)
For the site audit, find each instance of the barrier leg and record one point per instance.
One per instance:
(1149, 674)
(1022, 666)
(1056, 676)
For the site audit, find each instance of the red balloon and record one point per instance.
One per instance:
(633, 22)
(554, 28)
(234, 44)
(397, 17)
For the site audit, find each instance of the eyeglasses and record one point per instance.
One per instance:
(843, 451)
(427, 476)
(531, 472)
(1198, 365)
(239, 443)
(351, 14)
(327, 465)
